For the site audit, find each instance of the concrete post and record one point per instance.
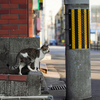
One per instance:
(77, 34)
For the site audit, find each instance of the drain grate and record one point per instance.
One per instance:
(58, 87)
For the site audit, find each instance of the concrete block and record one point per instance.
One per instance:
(17, 44)
(34, 84)
(9, 48)
(78, 74)
(43, 68)
(30, 87)
(4, 51)
(2, 87)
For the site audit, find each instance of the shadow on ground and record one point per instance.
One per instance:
(95, 86)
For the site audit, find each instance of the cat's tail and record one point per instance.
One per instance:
(16, 65)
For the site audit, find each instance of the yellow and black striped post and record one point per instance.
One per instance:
(79, 33)
(77, 39)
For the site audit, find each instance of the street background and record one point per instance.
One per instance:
(57, 72)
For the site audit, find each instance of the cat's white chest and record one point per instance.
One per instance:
(41, 56)
(37, 60)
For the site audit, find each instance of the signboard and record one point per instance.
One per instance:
(41, 4)
(36, 5)
(41, 1)
(63, 41)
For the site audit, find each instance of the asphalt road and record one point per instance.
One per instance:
(58, 60)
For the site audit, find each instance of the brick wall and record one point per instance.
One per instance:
(15, 18)
(30, 24)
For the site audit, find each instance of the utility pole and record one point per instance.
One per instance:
(77, 41)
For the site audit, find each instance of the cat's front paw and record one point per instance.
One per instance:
(38, 69)
(20, 73)
(34, 70)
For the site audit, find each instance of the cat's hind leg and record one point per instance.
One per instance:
(20, 67)
(31, 68)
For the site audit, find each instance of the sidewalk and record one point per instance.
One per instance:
(52, 79)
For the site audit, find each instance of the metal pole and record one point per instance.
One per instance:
(50, 97)
(78, 76)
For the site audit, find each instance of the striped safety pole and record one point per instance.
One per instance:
(77, 38)
(79, 35)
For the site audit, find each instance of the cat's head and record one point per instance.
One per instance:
(45, 48)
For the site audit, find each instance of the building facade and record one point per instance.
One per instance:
(95, 21)
(60, 26)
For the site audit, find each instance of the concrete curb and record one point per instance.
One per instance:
(43, 68)
(47, 57)
(52, 77)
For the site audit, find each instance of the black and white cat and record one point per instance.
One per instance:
(28, 56)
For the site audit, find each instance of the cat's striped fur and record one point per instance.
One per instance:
(29, 56)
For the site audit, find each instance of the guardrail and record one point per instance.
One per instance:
(46, 97)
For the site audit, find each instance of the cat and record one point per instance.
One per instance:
(28, 56)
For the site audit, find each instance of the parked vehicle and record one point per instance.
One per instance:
(53, 42)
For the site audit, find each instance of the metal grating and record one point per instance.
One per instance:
(58, 87)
